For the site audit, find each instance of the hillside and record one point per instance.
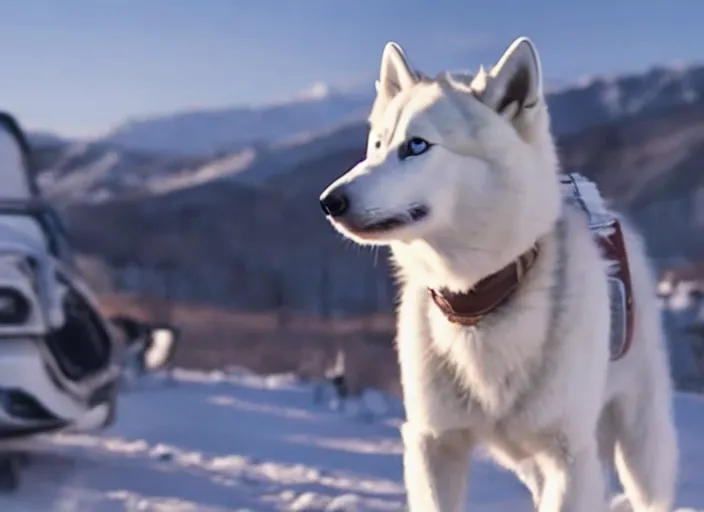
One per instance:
(92, 172)
(255, 249)
(275, 233)
(652, 167)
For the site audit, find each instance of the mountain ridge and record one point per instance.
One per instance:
(205, 132)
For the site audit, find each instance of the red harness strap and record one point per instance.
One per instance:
(614, 249)
(470, 307)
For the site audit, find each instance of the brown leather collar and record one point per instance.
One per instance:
(468, 308)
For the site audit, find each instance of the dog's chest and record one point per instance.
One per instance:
(485, 371)
(449, 381)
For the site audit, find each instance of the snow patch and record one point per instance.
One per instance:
(316, 91)
(235, 441)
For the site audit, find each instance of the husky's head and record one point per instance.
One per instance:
(460, 172)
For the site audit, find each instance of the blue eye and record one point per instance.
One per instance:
(413, 147)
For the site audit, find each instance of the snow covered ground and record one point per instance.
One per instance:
(215, 442)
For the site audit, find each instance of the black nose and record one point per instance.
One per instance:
(335, 203)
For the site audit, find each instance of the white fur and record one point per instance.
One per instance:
(532, 382)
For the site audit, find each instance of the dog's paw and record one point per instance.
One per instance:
(620, 503)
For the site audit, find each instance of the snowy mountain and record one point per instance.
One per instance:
(260, 444)
(598, 100)
(252, 145)
(591, 101)
(207, 132)
(40, 139)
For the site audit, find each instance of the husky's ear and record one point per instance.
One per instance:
(515, 83)
(395, 73)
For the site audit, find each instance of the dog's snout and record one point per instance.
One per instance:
(335, 203)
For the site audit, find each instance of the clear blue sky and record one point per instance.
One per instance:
(78, 67)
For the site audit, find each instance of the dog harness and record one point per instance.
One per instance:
(469, 308)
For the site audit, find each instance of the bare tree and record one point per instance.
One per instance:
(325, 287)
(277, 287)
(696, 331)
(158, 262)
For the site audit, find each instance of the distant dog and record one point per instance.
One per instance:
(336, 380)
(148, 347)
(505, 321)
(136, 339)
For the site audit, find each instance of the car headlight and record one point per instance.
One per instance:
(14, 307)
(27, 265)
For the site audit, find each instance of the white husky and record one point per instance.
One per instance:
(461, 180)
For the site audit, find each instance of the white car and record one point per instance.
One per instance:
(59, 361)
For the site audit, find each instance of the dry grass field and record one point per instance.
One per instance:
(214, 338)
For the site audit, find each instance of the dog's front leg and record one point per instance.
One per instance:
(435, 469)
(573, 481)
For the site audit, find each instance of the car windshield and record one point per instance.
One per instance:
(21, 206)
(14, 173)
